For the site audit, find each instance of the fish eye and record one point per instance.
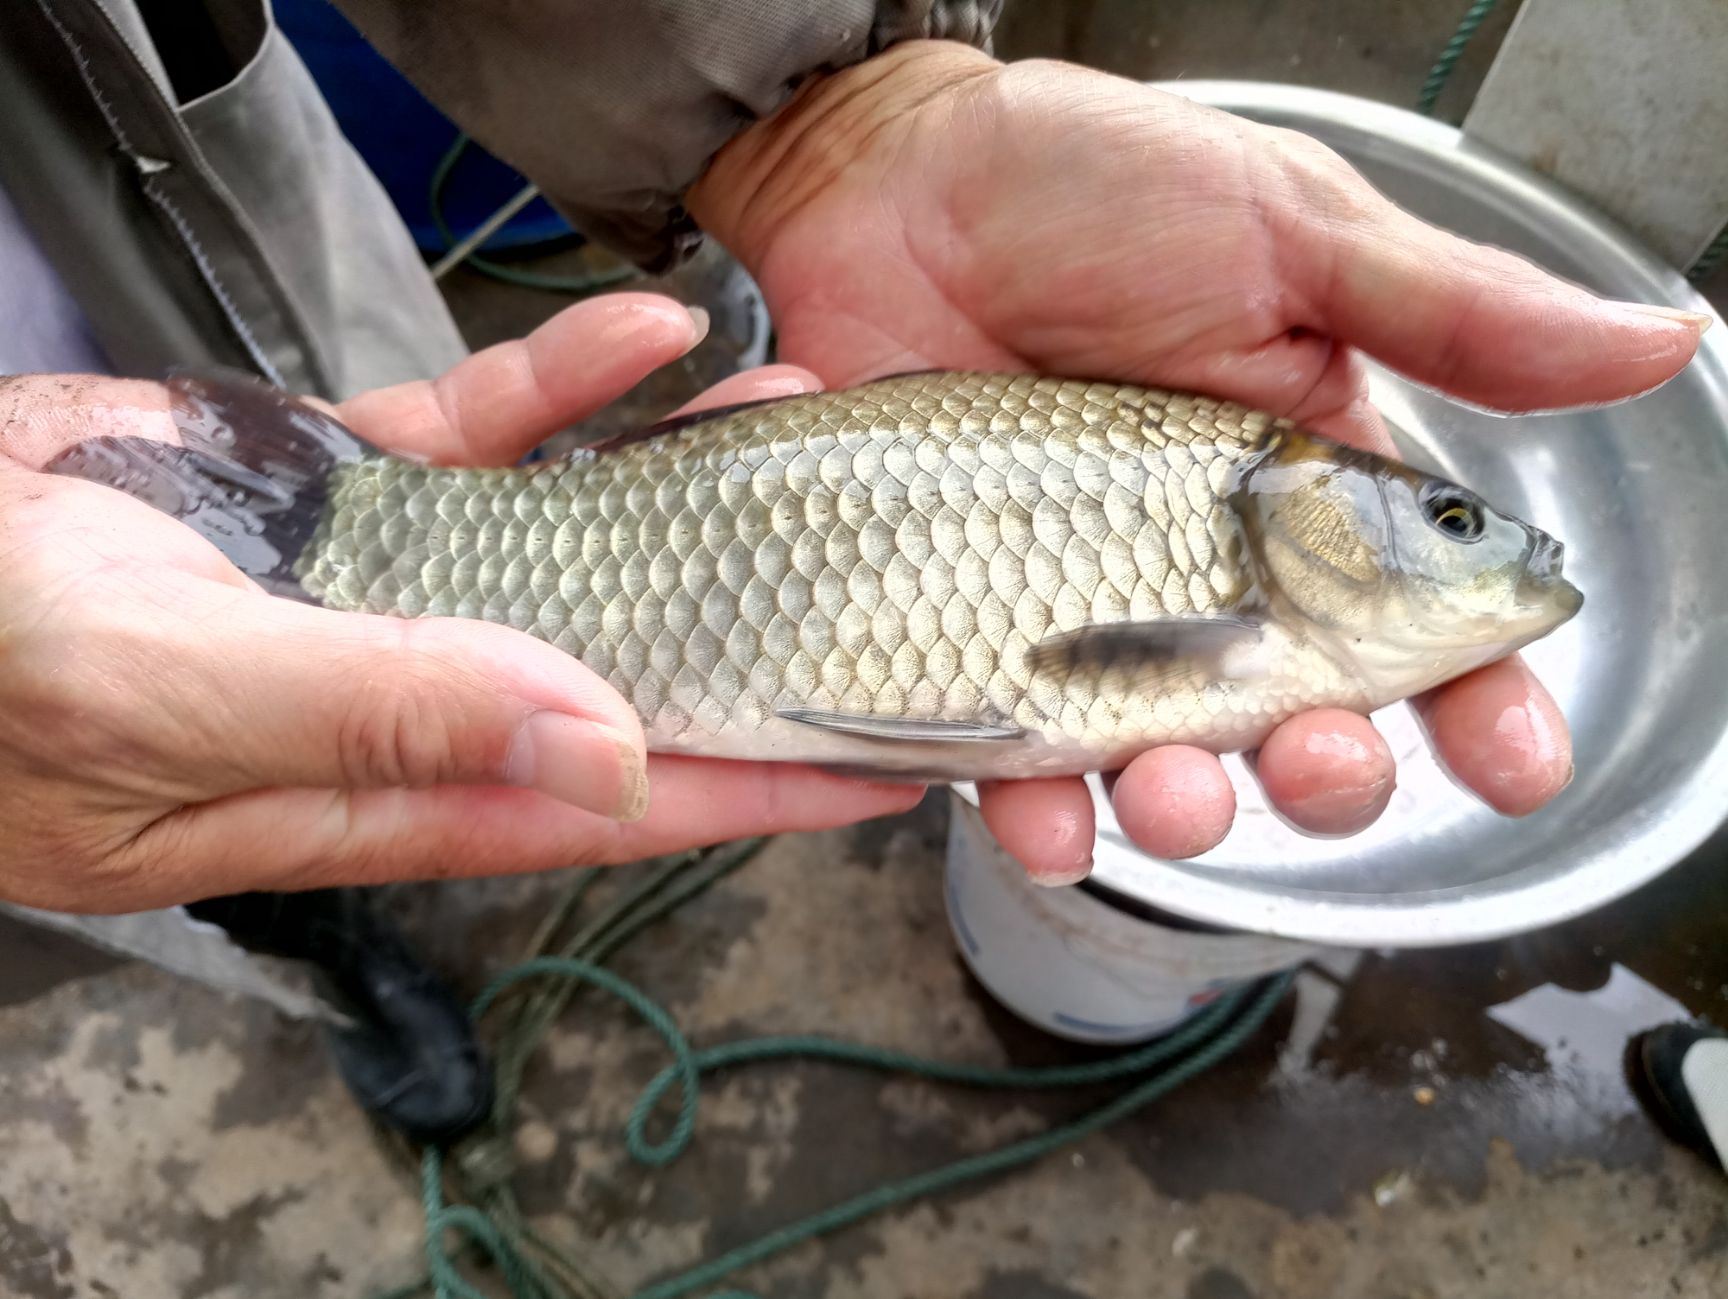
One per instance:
(1454, 513)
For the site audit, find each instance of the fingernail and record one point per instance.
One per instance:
(581, 763)
(698, 318)
(1697, 319)
(1062, 878)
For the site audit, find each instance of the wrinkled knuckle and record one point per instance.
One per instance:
(397, 731)
(394, 736)
(1322, 183)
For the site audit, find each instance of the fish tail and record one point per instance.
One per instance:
(252, 472)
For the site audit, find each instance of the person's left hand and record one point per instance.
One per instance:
(934, 209)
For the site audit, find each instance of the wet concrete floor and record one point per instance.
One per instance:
(1419, 1125)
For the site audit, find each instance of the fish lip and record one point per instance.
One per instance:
(1566, 597)
(1552, 596)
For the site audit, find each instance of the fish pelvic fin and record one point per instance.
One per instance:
(901, 730)
(910, 750)
(251, 473)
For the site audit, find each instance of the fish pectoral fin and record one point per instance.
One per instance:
(914, 730)
(1225, 647)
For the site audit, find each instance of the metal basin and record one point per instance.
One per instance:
(1636, 492)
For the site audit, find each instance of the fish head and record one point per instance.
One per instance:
(1409, 577)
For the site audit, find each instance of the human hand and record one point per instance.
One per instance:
(168, 732)
(932, 208)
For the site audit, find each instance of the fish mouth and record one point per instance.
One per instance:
(1543, 584)
(1547, 558)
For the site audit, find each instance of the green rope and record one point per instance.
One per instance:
(491, 1227)
(538, 1013)
(1442, 69)
(574, 284)
(1231, 1031)
(834, 1051)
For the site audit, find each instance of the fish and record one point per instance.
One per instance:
(938, 576)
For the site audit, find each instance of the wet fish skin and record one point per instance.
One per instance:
(753, 579)
(944, 576)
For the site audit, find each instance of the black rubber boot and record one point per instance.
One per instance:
(409, 1056)
(1654, 1061)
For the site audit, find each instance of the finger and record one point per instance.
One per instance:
(299, 839)
(1307, 377)
(1175, 802)
(1048, 826)
(496, 405)
(761, 384)
(491, 408)
(1501, 734)
(1327, 772)
(42, 415)
(1472, 320)
(1335, 402)
(280, 693)
(1358, 424)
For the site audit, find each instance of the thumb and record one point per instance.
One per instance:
(1474, 321)
(315, 698)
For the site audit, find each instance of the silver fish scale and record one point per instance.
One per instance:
(893, 549)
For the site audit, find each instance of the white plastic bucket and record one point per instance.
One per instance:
(1072, 964)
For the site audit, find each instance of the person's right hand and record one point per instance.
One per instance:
(931, 208)
(168, 732)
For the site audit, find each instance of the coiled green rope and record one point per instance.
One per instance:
(1205, 1041)
(491, 1225)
